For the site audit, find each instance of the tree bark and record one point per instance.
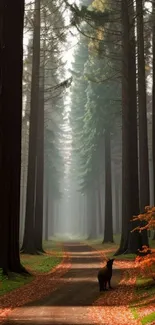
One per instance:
(108, 228)
(29, 235)
(130, 242)
(153, 95)
(11, 70)
(99, 208)
(117, 186)
(143, 135)
(46, 207)
(40, 164)
(91, 206)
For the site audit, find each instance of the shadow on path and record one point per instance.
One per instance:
(70, 302)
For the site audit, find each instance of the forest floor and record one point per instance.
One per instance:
(70, 294)
(35, 264)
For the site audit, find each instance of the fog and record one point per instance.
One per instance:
(82, 172)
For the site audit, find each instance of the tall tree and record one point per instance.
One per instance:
(143, 135)
(108, 229)
(38, 227)
(29, 237)
(11, 68)
(153, 94)
(130, 193)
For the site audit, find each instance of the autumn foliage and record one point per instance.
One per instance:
(148, 217)
(146, 262)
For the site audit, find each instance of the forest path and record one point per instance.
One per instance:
(72, 301)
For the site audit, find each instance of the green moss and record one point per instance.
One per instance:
(45, 263)
(143, 286)
(13, 282)
(39, 263)
(148, 319)
(134, 312)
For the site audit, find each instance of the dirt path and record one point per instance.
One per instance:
(113, 307)
(72, 302)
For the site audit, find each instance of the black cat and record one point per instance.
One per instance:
(105, 275)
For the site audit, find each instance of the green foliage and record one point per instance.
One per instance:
(101, 110)
(95, 95)
(42, 263)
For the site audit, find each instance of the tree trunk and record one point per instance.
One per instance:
(91, 206)
(130, 242)
(46, 207)
(99, 208)
(108, 228)
(153, 235)
(40, 165)
(11, 69)
(117, 186)
(143, 136)
(29, 235)
(134, 242)
(153, 96)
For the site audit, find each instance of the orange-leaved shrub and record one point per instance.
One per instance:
(146, 263)
(146, 260)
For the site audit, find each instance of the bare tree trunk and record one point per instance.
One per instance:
(46, 206)
(11, 69)
(125, 130)
(117, 186)
(40, 163)
(130, 242)
(108, 228)
(29, 235)
(153, 96)
(91, 206)
(99, 208)
(143, 136)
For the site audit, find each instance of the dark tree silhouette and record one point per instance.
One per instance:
(11, 69)
(153, 96)
(143, 138)
(130, 242)
(29, 237)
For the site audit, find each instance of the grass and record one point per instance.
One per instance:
(14, 282)
(134, 312)
(43, 263)
(144, 290)
(35, 263)
(112, 247)
(148, 319)
(143, 284)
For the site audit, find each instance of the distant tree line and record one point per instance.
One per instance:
(110, 117)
